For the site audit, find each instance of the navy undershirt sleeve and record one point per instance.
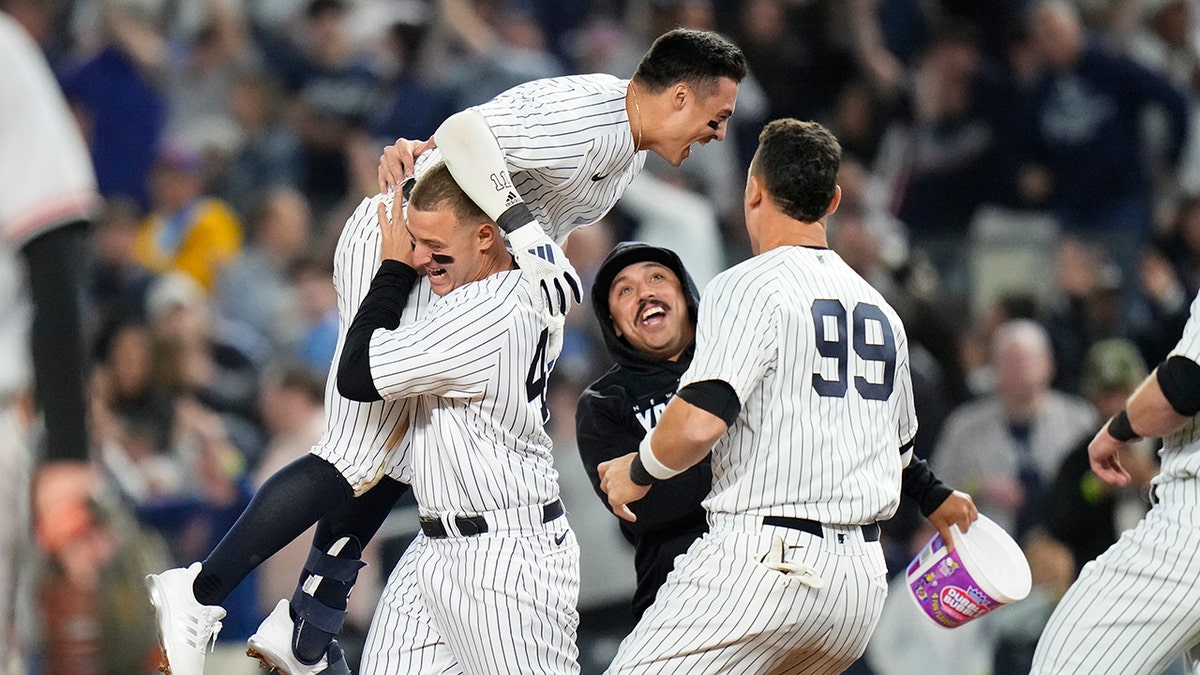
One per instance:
(381, 308)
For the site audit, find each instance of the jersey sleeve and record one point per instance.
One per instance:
(1189, 344)
(907, 429)
(735, 334)
(46, 176)
(451, 352)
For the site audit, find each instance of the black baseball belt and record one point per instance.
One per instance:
(870, 531)
(470, 526)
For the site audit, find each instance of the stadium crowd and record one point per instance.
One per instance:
(1020, 179)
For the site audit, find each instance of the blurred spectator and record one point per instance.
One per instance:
(254, 289)
(312, 281)
(1004, 449)
(114, 93)
(1169, 276)
(406, 105)
(118, 284)
(1168, 43)
(331, 84)
(1089, 157)
(206, 357)
(488, 48)
(935, 160)
(268, 155)
(186, 231)
(1082, 511)
(1087, 310)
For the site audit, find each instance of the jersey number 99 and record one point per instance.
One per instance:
(836, 344)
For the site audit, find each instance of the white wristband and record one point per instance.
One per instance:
(523, 238)
(650, 462)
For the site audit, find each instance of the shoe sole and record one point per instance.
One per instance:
(164, 665)
(264, 663)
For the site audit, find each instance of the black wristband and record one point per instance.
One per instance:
(638, 473)
(514, 216)
(1120, 428)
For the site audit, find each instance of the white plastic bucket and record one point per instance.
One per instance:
(985, 571)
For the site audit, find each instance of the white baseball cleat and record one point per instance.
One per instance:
(186, 628)
(271, 644)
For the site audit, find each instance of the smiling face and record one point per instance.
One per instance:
(451, 252)
(696, 116)
(649, 309)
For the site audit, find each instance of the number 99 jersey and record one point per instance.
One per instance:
(819, 362)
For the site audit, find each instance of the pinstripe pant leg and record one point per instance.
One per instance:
(1134, 609)
(506, 602)
(720, 611)
(402, 638)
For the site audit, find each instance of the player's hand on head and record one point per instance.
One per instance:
(958, 509)
(545, 264)
(395, 243)
(620, 488)
(1104, 454)
(398, 159)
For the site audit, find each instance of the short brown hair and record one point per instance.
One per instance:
(435, 187)
(798, 162)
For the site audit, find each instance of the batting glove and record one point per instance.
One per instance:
(546, 265)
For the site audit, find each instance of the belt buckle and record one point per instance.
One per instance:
(469, 527)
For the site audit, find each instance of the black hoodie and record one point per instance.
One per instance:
(615, 413)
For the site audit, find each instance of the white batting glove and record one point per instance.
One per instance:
(547, 266)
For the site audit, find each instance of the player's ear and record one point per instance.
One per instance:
(679, 95)
(837, 200)
(486, 235)
(754, 191)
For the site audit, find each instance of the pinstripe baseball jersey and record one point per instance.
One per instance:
(478, 443)
(819, 362)
(567, 144)
(358, 437)
(1136, 608)
(1180, 459)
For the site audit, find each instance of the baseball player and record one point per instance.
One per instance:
(560, 151)
(491, 582)
(47, 191)
(1136, 608)
(801, 378)
(648, 321)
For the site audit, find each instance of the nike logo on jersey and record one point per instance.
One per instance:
(599, 176)
(561, 538)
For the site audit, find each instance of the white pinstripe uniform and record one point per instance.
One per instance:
(569, 149)
(558, 135)
(1136, 608)
(502, 601)
(819, 362)
(46, 181)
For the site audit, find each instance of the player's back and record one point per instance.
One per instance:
(351, 427)
(825, 394)
(568, 146)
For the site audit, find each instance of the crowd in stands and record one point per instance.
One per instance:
(1021, 180)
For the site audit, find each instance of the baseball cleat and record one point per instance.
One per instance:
(271, 644)
(186, 628)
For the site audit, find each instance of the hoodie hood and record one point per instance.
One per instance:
(625, 254)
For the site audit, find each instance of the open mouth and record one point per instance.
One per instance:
(652, 315)
(437, 273)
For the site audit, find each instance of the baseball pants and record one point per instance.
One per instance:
(496, 603)
(728, 608)
(1136, 608)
